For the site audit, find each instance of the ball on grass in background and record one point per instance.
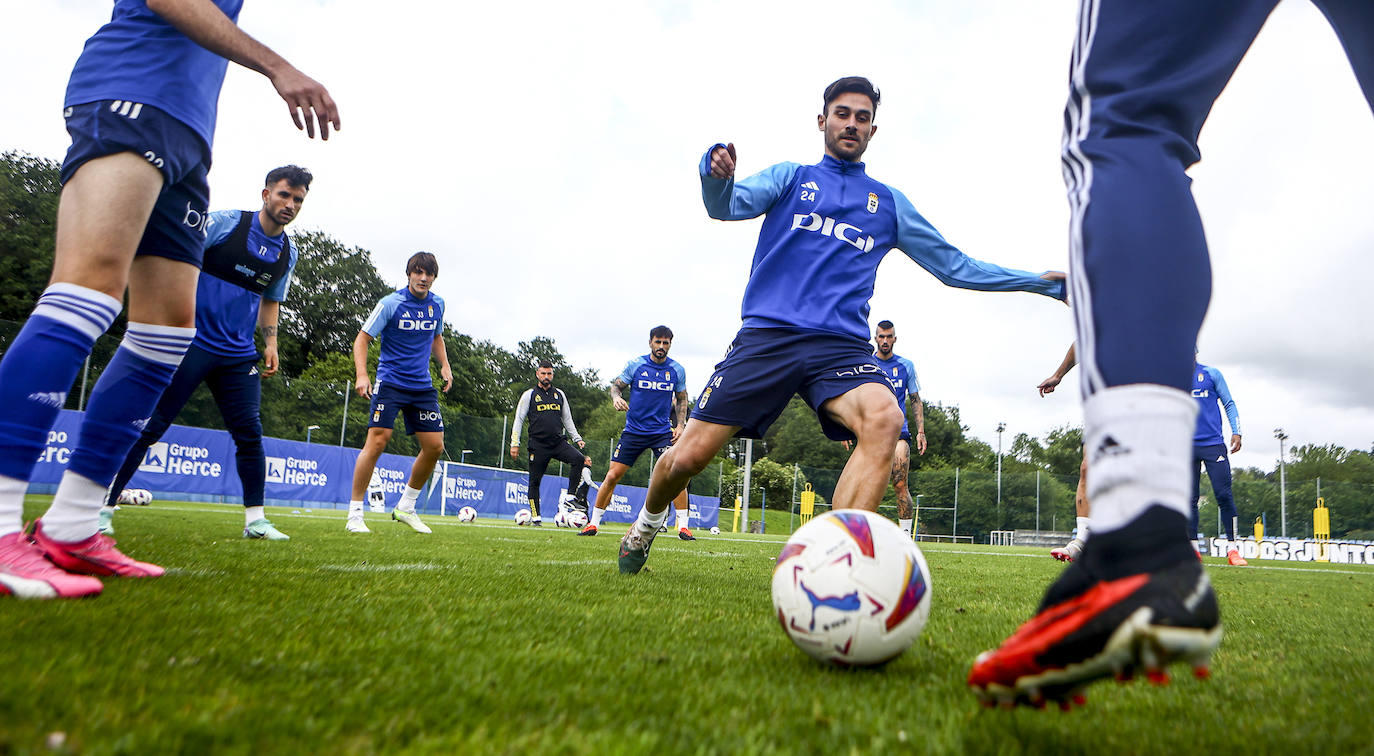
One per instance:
(715, 530)
(522, 517)
(467, 514)
(851, 589)
(561, 519)
(577, 519)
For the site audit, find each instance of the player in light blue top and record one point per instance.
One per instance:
(247, 272)
(410, 323)
(1209, 449)
(654, 416)
(140, 107)
(901, 373)
(826, 227)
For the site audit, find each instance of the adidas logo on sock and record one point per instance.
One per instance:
(1109, 447)
(53, 399)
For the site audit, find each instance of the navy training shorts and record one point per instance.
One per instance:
(631, 445)
(420, 407)
(176, 229)
(764, 367)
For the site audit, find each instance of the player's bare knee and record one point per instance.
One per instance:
(880, 422)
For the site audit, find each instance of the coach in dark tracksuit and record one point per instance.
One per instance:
(549, 415)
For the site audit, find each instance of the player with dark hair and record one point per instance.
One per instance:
(1143, 77)
(547, 408)
(1209, 450)
(826, 228)
(901, 373)
(654, 416)
(410, 323)
(244, 279)
(140, 107)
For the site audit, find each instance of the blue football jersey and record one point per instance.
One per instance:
(139, 57)
(1208, 389)
(826, 228)
(901, 373)
(652, 388)
(227, 315)
(407, 326)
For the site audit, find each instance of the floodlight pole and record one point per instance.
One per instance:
(343, 425)
(748, 468)
(1000, 427)
(1283, 485)
(308, 429)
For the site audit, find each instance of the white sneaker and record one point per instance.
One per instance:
(356, 525)
(411, 519)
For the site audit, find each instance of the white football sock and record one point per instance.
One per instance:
(408, 497)
(684, 517)
(648, 523)
(355, 509)
(11, 504)
(253, 514)
(75, 511)
(1083, 528)
(596, 516)
(1138, 439)
(905, 525)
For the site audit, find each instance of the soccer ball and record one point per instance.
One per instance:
(576, 519)
(140, 497)
(561, 519)
(851, 589)
(523, 517)
(467, 514)
(715, 530)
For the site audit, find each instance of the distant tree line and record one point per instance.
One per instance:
(336, 286)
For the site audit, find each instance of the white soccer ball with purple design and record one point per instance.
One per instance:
(576, 519)
(522, 517)
(561, 519)
(851, 589)
(138, 497)
(715, 530)
(467, 514)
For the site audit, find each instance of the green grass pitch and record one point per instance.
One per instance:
(489, 638)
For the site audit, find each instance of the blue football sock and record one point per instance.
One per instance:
(121, 405)
(36, 374)
(125, 396)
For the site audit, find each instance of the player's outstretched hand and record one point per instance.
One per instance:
(1058, 275)
(1235, 443)
(620, 404)
(1048, 385)
(723, 162)
(363, 385)
(581, 444)
(308, 101)
(447, 375)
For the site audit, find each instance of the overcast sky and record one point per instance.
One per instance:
(547, 153)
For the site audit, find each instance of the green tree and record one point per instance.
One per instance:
(797, 438)
(333, 289)
(29, 190)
